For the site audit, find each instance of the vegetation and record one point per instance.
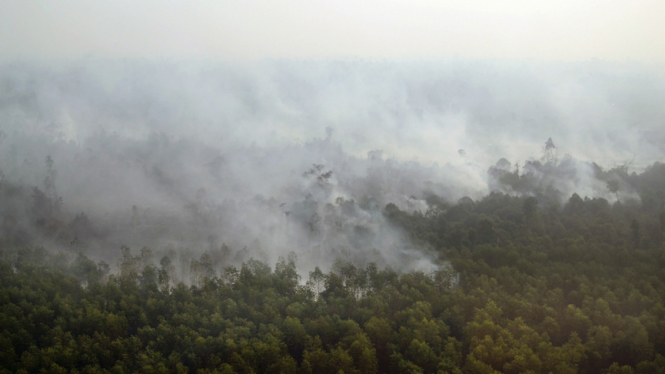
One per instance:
(525, 287)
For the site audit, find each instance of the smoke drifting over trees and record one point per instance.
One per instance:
(451, 218)
(261, 160)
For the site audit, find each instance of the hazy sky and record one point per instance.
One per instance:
(375, 29)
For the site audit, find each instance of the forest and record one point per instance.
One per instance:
(522, 284)
(332, 187)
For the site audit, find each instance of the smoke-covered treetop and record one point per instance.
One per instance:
(280, 155)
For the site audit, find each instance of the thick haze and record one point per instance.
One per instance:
(274, 127)
(607, 113)
(281, 156)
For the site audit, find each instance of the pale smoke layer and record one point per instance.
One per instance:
(303, 156)
(594, 111)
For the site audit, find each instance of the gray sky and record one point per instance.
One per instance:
(375, 29)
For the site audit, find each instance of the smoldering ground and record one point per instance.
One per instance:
(277, 157)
